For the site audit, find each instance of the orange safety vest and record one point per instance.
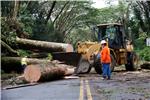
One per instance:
(105, 55)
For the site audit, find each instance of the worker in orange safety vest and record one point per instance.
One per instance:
(23, 63)
(105, 60)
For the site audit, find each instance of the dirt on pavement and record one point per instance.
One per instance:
(124, 85)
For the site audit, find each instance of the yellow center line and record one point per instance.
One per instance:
(89, 96)
(81, 90)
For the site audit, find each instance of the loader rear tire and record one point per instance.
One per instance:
(132, 61)
(113, 63)
(90, 67)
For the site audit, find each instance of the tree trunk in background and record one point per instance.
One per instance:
(50, 12)
(44, 46)
(16, 5)
(60, 11)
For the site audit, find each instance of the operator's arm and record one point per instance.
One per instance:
(98, 55)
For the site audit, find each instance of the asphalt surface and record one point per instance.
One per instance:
(123, 86)
(56, 90)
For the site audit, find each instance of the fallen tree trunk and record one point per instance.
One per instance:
(14, 63)
(10, 60)
(40, 73)
(39, 55)
(44, 46)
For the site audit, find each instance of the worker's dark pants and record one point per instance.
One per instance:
(23, 67)
(106, 70)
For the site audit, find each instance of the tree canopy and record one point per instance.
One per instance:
(69, 21)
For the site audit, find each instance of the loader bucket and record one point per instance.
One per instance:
(70, 58)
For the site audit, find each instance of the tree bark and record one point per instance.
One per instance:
(29, 60)
(56, 67)
(44, 46)
(16, 5)
(35, 73)
(14, 63)
(46, 72)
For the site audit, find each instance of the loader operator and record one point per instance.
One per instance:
(105, 60)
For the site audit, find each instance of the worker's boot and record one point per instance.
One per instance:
(109, 78)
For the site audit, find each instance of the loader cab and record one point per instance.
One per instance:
(113, 33)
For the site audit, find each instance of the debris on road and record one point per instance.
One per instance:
(43, 72)
(18, 86)
(145, 65)
(71, 77)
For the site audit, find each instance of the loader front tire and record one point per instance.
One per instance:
(83, 67)
(98, 65)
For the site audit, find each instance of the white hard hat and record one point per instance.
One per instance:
(103, 42)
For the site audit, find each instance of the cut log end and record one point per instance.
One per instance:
(69, 48)
(32, 73)
(42, 73)
(69, 71)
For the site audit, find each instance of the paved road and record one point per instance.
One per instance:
(123, 86)
(57, 90)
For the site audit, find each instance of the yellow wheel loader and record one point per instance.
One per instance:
(87, 53)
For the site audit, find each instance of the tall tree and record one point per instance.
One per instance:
(15, 12)
(50, 11)
(141, 11)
